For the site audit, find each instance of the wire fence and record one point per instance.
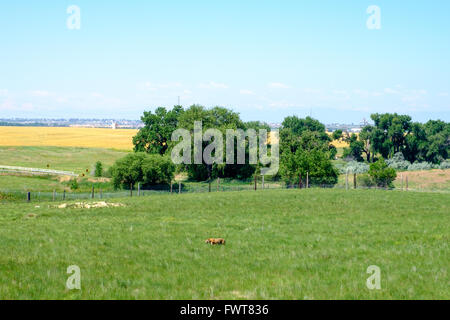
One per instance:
(182, 188)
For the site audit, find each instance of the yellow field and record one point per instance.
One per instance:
(120, 139)
(340, 144)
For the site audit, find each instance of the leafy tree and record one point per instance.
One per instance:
(393, 128)
(298, 125)
(355, 149)
(438, 136)
(381, 174)
(155, 136)
(257, 125)
(366, 137)
(337, 135)
(315, 162)
(305, 133)
(222, 119)
(305, 147)
(429, 142)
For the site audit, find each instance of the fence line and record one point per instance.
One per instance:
(98, 194)
(36, 171)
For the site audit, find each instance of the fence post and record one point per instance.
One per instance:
(346, 180)
(406, 183)
(354, 181)
(139, 189)
(179, 187)
(256, 187)
(300, 180)
(171, 187)
(209, 185)
(307, 180)
(28, 196)
(131, 190)
(218, 184)
(64, 195)
(262, 177)
(92, 193)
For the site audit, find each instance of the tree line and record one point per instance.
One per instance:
(392, 134)
(305, 148)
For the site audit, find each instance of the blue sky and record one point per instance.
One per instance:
(263, 59)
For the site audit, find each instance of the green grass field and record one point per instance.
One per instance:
(59, 158)
(283, 244)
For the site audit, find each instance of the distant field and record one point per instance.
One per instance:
(284, 244)
(77, 160)
(425, 180)
(120, 139)
(58, 158)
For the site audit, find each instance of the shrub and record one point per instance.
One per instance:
(421, 166)
(149, 169)
(355, 167)
(74, 184)
(381, 174)
(398, 162)
(98, 169)
(445, 165)
(364, 180)
(157, 170)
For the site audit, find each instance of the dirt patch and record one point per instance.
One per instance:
(92, 205)
(99, 179)
(65, 179)
(426, 178)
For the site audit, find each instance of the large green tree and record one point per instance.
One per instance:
(222, 119)
(305, 147)
(155, 136)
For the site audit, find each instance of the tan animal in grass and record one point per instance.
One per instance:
(213, 241)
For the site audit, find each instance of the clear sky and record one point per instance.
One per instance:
(263, 59)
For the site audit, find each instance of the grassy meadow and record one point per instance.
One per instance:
(281, 244)
(76, 159)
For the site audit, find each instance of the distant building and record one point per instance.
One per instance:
(114, 125)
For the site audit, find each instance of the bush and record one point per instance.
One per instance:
(98, 169)
(157, 170)
(421, 166)
(398, 162)
(148, 169)
(364, 180)
(381, 174)
(445, 165)
(355, 167)
(74, 184)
